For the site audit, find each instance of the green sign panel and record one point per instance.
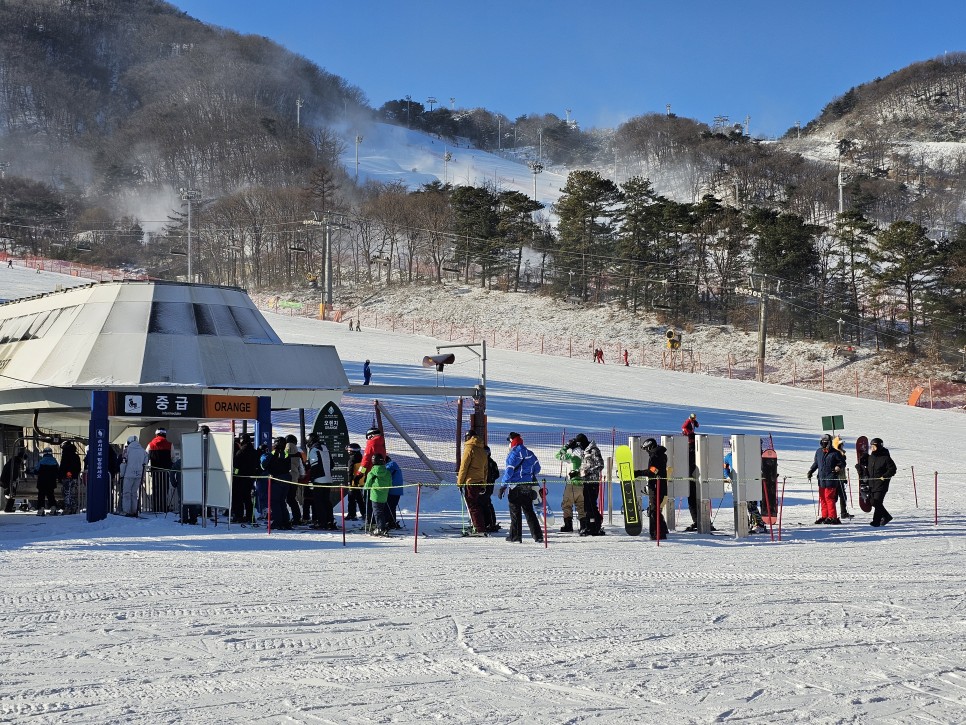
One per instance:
(833, 422)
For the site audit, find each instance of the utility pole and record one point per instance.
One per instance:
(447, 157)
(409, 102)
(762, 295)
(329, 220)
(4, 165)
(298, 111)
(189, 195)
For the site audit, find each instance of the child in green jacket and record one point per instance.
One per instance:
(378, 483)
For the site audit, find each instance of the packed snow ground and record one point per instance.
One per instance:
(147, 621)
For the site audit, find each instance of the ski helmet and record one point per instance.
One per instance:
(48, 449)
(161, 432)
(353, 448)
(581, 440)
(649, 444)
(876, 442)
(825, 441)
(372, 433)
(378, 459)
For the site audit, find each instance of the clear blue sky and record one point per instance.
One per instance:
(607, 60)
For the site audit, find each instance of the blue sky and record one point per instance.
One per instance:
(607, 60)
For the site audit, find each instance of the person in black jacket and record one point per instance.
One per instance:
(70, 470)
(277, 465)
(881, 470)
(246, 466)
(492, 475)
(656, 474)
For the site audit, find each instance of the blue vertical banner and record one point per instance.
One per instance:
(263, 423)
(98, 473)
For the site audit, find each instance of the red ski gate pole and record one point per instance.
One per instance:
(419, 490)
(914, 492)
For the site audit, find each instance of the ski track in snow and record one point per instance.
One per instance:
(146, 621)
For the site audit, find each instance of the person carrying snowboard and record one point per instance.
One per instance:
(656, 475)
(828, 462)
(573, 495)
(881, 469)
(591, 466)
(519, 476)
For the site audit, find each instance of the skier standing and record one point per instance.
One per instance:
(132, 471)
(378, 483)
(881, 470)
(70, 470)
(828, 462)
(47, 473)
(573, 495)
(687, 430)
(395, 493)
(159, 455)
(521, 472)
(591, 466)
(320, 474)
(656, 474)
(471, 479)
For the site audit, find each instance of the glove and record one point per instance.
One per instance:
(809, 476)
(571, 444)
(500, 493)
(573, 475)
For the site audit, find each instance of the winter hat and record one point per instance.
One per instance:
(48, 449)
(581, 440)
(132, 439)
(825, 441)
(514, 439)
(378, 459)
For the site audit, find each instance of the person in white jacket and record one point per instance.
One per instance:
(132, 471)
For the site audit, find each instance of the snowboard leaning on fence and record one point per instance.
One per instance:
(862, 466)
(624, 460)
(769, 481)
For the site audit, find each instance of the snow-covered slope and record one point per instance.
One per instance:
(146, 621)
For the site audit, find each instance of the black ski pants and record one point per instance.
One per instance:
(520, 503)
(594, 520)
(655, 513)
(879, 513)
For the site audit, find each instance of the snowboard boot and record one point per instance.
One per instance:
(845, 513)
(568, 525)
(584, 522)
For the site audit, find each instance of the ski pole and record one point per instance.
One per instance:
(936, 496)
(419, 490)
(811, 489)
(914, 493)
(781, 507)
(848, 477)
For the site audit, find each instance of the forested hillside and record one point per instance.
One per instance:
(110, 109)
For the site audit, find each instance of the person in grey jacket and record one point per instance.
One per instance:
(132, 471)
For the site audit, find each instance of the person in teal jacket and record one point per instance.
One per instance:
(378, 483)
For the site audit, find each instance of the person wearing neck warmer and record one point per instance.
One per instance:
(518, 482)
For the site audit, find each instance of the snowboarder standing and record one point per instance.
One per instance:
(881, 470)
(828, 462)
(656, 474)
(687, 430)
(591, 466)
(521, 472)
(245, 463)
(573, 496)
(366, 373)
(132, 471)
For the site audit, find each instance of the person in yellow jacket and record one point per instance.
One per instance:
(471, 479)
(378, 483)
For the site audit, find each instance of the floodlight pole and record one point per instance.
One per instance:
(189, 195)
(480, 400)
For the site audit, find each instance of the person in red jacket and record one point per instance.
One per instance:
(159, 454)
(375, 443)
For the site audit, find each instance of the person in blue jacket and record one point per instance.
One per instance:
(519, 477)
(828, 462)
(395, 493)
(366, 373)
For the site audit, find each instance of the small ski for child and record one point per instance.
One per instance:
(623, 458)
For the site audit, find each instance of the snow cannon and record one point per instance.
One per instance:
(438, 361)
